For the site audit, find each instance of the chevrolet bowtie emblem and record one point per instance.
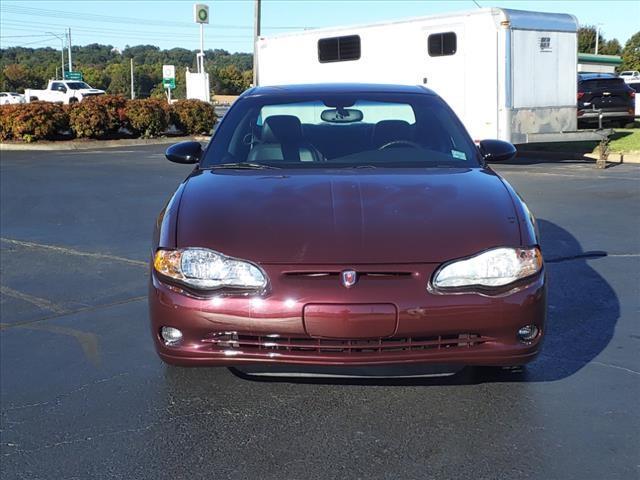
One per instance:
(349, 278)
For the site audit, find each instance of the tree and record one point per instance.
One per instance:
(17, 77)
(587, 39)
(95, 76)
(120, 82)
(631, 53)
(610, 47)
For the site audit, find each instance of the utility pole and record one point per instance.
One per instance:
(69, 45)
(256, 35)
(61, 38)
(133, 92)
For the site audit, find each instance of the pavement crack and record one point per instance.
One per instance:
(71, 251)
(57, 400)
(578, 256)
(4, 326)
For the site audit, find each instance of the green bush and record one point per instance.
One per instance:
(193, 116)
(34, 121)
(147, 117)
(98, 116)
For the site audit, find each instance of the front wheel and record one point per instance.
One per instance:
(73, 100)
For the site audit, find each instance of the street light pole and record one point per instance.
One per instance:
(597, 36)
(256, 35)
(69, 45)
(61, 38)
(133, 92)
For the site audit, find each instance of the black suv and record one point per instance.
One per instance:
(606, 93)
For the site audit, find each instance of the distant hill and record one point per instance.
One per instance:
(105, 67)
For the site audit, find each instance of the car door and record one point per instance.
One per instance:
(58, 91)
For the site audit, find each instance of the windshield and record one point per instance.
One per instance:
(602, 83)
(77, 85)
(342, 130)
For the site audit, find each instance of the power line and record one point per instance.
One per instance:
(22, 36)
(84, 31)
(30, 11)
(106, 30)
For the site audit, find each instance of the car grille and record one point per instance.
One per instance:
(277, 343)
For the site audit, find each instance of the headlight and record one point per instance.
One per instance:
(493, 268)
(205, 269)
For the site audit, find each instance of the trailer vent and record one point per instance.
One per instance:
(339, 49)
(441, 44)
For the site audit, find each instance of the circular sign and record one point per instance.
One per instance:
(202, 15)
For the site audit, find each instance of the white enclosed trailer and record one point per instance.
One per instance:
(508, 74)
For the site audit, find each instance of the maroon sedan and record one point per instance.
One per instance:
(345, 225)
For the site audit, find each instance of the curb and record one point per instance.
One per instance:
(615, 157)
(97, 144)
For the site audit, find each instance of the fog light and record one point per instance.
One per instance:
(528, 333)
(170, 335)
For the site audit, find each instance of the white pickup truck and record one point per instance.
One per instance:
(63, 91)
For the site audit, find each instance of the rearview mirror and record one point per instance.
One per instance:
(497, 150)
(341, 115)
(184, 152)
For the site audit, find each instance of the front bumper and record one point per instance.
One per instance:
(462, 329)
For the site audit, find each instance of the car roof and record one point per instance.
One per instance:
(333, 88)
(594, 76)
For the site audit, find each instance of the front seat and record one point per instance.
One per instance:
(282, 140)
(387, 131)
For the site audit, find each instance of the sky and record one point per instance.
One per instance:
(169, 24)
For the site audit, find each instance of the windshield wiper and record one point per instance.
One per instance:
(243, 165)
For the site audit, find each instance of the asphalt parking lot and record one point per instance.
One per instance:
(83, 394)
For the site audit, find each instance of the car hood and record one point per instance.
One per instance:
(343, 217)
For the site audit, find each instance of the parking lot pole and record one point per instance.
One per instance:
(256, 35)
(604, 145)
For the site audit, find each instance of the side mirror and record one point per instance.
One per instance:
(62, 89)
(497, 150)
(184, 152)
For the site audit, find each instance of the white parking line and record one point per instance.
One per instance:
(37, 301)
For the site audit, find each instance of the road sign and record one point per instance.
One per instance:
(73, 76)
(168, 71)
(169, 76)
(201, 13)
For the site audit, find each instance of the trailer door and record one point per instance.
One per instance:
(444, 65)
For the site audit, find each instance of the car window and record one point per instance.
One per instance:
(77, 85)
(56, 85)
(635, 86)
(597, 83)
(310, 112)
(342, 130)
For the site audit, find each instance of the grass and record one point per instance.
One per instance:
(624, 140)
